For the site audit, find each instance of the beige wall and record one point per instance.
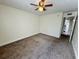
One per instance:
(75, 40)
(51, 24)
(16, 24)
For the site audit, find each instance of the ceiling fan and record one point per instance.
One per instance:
(41, 6)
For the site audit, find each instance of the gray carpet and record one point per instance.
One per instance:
(38, 47)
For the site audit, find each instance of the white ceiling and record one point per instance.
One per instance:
(58, 5)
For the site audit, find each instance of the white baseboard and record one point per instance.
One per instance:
(6, 43)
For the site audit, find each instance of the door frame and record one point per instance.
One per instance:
(71, 36)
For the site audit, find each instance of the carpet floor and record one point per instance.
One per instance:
(39, 46)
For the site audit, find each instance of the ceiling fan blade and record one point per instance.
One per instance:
(33, 4)
(48, 5)
(36, 9)
(44, 9)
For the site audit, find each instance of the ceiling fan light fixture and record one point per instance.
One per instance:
(41, 6)
(40, 9)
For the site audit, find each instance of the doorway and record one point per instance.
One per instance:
(69, 21)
